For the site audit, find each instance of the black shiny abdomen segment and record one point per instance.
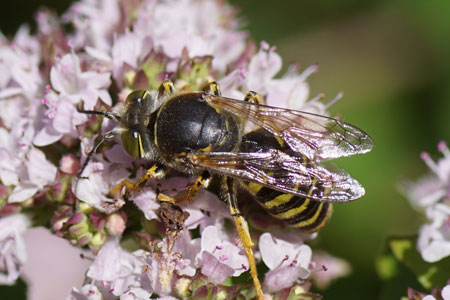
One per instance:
(294, 202)
(258, 141)
(186, 123)
(322, 218)
(266, 194)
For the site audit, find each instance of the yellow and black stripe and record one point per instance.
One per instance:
(299, 212)
(295, 211)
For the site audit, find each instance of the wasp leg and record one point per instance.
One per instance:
(155, 172)
(166, 89)
(243, 232)
(201, 182)
(254, 97)
(212, 88)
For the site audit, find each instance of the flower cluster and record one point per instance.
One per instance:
(432, 194)
(114, 48)
(436, 294)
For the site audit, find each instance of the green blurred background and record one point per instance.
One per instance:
(392, 61)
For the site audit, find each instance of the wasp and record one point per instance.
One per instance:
(278, 155)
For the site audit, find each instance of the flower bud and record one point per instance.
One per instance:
(69, 164)
(115, 223)
(97, 241)
(82, 240)
(182, 287)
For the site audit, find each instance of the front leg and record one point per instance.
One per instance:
(156, 171)
(201, 182)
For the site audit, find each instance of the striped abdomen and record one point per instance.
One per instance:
(295, 211)
(306, 214)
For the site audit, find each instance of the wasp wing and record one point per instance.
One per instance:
(279, 171)
(315, 136)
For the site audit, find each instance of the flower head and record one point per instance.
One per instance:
(432, 194)
(12, 247)
(116, 47)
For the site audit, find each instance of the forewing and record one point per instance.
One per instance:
(279, 171)
(315, 136)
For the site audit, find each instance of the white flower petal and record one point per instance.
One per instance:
(47, 135)
(136, 294)
(216, 271)
(12, 246)
(40, 170)
(276, 280)
(446, 292)
(146, 202)
(276, 252)
(23, 191)
(436, 250)
(111, 263)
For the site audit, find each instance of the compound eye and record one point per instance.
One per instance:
(132, 143)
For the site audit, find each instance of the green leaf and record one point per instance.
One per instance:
(387, 266)
(18, 291)
(428, 274)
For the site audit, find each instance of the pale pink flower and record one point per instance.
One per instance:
(61, 118)
(288, 259)
(95, 22)
(289, 91)
(116, 269)
(219, 258)
(146, 202)
(445, 294)
(27, 42)
(435, 186)
(328, 269)
(189, 249)
(15, 147)
(88, 292)
(163, 266)
(68, 79)
(14, 108)
(432, 194)
(9, 163)
(197, 26)
(98, 178)
(263, 67)
(128, 50)
(434, 238)
(38, 173)
(136, 294)
(12, 247)
(205, 211)
(19, 68)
